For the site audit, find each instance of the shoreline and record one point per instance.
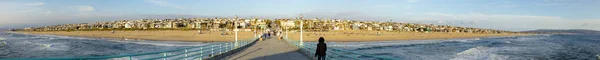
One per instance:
(355, 36)
(166, 35)
(84, 36)
(334, 36)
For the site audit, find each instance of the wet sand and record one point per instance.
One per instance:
(165, 35)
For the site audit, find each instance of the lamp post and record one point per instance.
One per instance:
(301, 31)
(235, 30)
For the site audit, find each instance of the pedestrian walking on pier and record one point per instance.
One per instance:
(321, 49)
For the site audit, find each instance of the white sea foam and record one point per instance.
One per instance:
(400, 42)
(473, 50)
(135, 41)
(51, 46)
(466, 40)
(507, 42)
(485, 48)
(46, 45)
(46, 36)
(480, 53)
(32, 45)
(3, 43)
(598, 56)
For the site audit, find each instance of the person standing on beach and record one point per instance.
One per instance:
(321, 49)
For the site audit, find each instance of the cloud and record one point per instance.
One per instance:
(21, 15)
(19, 7)
(24, 20)
(35, 4)
(165, 3)
(380, 6)
(48, 12)
(84, 8)
(412, 1)
(14, 12)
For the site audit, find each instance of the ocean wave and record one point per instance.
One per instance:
(466, 40)
(488, 53)
(3, 43)
(536, 47)
(476, 53)
(160, 43)
(45, 36)
(126, 40)
(598, 56)
(40, 46)
(400, 42)
(409, 45)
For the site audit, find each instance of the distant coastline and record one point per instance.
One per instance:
(563, 31)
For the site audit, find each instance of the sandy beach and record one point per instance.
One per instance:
(166, 35)
(338, 36)
(356, 36)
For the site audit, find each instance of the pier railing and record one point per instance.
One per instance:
(190, 53)
(335, 53)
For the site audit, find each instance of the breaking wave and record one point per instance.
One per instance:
(43, 46)
(538, 47)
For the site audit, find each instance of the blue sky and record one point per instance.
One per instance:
(515, 15)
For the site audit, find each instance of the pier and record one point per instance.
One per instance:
(269, 49)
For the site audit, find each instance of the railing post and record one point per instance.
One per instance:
(129, 58)
(226, 46)
(212, 48)
(165, 56)
(201, 51)
(236, 37)
(221, 47)
(186, 54)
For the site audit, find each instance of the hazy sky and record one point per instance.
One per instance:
(515, 15)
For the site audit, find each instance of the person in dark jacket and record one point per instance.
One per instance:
(321, 49)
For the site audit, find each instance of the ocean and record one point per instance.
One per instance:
(538, 47)
(17, 45)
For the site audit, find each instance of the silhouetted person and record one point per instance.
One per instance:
(321, 49)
